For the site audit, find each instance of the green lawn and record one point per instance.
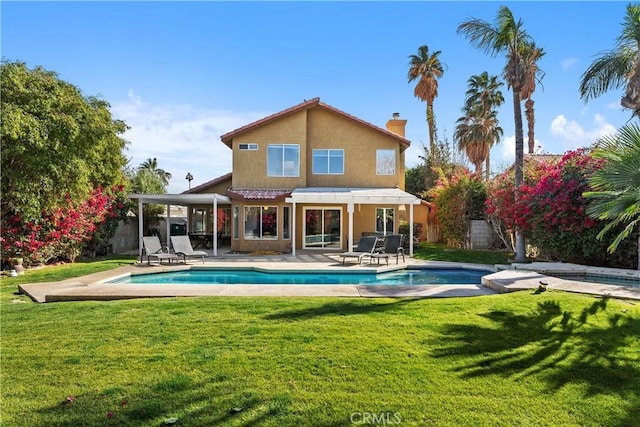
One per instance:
(441, 252)
(516, 359)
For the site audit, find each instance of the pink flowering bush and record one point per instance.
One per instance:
(551, 211)
(65, 232)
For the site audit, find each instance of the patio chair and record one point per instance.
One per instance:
(366, 247)
(392, 245)
(153, 249)
(182, 247)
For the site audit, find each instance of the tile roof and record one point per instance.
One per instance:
(307, 104)
(257, 194)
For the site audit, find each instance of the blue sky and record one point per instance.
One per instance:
(182, 74)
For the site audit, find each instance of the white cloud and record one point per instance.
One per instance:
(183, 138)
(573, 135)
(569, 63)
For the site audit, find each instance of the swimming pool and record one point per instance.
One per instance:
(411, 277)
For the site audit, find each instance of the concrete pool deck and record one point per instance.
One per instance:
(92, 287)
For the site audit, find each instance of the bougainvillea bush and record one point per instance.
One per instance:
(64, 233)
(551, 212)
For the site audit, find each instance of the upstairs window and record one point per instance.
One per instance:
(250, 147)
(283, 160)
(328, 162)
(385, 162)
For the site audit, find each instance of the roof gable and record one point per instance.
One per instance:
(227, 138)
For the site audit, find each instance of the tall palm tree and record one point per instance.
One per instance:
(616, 186)
(427, 69)
(533, 74)
(152, 166)
(618, 67)
(505, 37)
(484, 91)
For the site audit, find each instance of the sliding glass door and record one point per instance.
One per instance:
(322, 228)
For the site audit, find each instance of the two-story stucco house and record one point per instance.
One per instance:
(308, 177)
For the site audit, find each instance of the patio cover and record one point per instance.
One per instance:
(352, 197)
(180, 200)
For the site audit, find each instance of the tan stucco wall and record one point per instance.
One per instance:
(250, 167)
(329, 130)
(316, 128)
(219, 188)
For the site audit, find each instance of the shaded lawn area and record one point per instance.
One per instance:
(441, 252)
(515, 359)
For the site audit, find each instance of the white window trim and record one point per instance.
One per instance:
(327, 150)
(248, 147)
(282, 175)
(261, 237)
(378, 172)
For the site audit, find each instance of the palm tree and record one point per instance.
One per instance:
(152, 165)
(616, 186)
(530, 56)
(484, 91)
(619, 66)
(476, 132)
(427, 69)
(505, 37)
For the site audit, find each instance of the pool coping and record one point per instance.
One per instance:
(499, 279)
(94, 286)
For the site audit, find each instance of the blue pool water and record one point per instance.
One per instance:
(251, 277)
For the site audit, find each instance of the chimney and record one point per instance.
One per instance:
(396, 125)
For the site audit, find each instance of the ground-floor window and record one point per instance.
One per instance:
(286, 222)
(236, 222)
(322, 228)
(260, 222)
(385, 220)
(199, 221)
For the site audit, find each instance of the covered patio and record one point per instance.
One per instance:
(212, 199)
(351, 197)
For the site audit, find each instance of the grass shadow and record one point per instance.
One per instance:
(557, 346)
(342, 307)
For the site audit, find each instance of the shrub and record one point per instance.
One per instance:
(63, 233)
(551, 211)
(459, 200)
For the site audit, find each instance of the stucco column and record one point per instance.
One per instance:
(293, 229)
(140, 228)
(350, 210)
(411, 230)
(168, 226)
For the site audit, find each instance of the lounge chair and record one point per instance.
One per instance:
(366, 247)
(392, 245)
(153, 249)
(182, 247)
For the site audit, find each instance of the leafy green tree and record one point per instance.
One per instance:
(416, 180)
(618, 67)
(507, 36)
(426, 69)
(616, 186)
(148, 178)
(56, 142)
